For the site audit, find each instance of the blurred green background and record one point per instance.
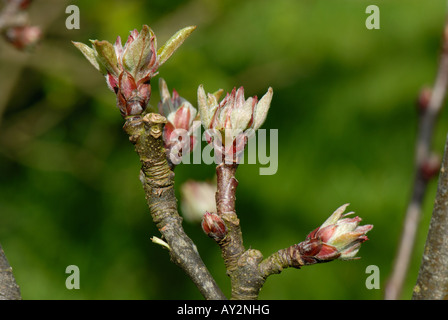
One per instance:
(344, 106)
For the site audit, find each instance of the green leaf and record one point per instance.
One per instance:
(335, 216)
(105, 54)
(173, 43)
(217, 94)
(89, 53)
(262, 109)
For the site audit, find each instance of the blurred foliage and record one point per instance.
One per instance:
(344, 106)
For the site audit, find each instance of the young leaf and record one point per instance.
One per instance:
(240, 117)
(88, 52)
(166, 106)
(173, 43)
(138, 53)
(106, 56)
(207, 105)
(262, 109)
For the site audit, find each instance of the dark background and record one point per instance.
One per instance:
(344, 106)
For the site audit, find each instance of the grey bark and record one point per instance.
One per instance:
(432, 282)
(9, 290)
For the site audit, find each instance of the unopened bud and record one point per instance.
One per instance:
(214, 226)
(423, 99)
(178, 133)
(431, 167)
(129, 68)
(336, 238)
(197, 197)
(23, 37)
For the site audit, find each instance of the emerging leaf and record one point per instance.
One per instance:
(262, 109)
(106, 56)
(138, 54)
(89, 53)
(173, 43)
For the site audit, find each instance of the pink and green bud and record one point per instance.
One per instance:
(129, 69)
(214, 226)
(233, 118)
(178, 131)
(234, 112)
(337, 238)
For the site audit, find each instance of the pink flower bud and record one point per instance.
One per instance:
(179, 130)
(336, 238)
(197, 197)
(314, 251)
(23, 37)
(214, 226)
(131, 98)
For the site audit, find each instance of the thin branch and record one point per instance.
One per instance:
(232, 246)
(158, 182)
(242, 266)
(246, 268)
(285, 258)
(424, 169)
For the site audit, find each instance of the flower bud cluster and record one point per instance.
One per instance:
(128, 69)
(336, 238)
(178, 131)
(233, 119)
